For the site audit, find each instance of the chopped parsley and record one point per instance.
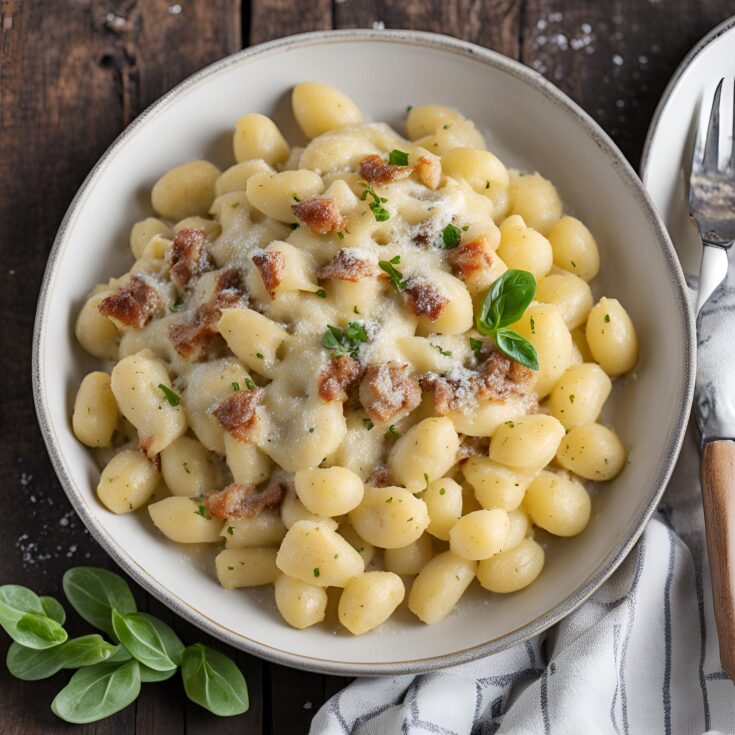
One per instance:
(444, 353)
(571, 398)
(509, 424)
(311, 430)
(231, 568)
(442, 490)
(231, 530)
(398, 158)
(185, 465)
(368, 424)
(178, 304)
(607, 318)
(259, 355)
(171, 397)
(321, 293)
(533, 326)
(235, 387)
(390, 499)
(426, 479)
(295, 198)
(345, 342)
(249, 384)
(395, 276)
(380, 213)
(393, 431)
(317, 571)
(476, 345)
(341, 235)
(202, 511)
(451, 235)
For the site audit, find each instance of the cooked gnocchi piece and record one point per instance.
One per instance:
(372, 358)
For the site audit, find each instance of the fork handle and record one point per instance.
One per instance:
(718, 496)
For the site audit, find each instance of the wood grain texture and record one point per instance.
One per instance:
(72, 75)
(718, 498)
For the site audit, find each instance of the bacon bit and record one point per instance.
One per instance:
(134, 305)
(270, 264)
(429, 171)
(470, 257)
(503, 377)
(378, 171)
(387, 390)
(191, 340)
(497, 379)
(242, 500)
(348, 265)
(341, 376)
(321, 215)
(423, 299)
(237, 413)
(188, 257)
(379, 477)
(472, 446)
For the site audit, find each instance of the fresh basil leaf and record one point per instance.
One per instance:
(506, 300)
(517, 348)
(120, 654)
(213, 681)
(395, 276)
(356, 332)
(98, 691)
(31, 665)
(23, 618)
(451, 235)
(148, 639)
(37, 631)
(53, 609)
(93, 592)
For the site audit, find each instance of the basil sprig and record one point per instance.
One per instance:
(109, 676)
(345, 342)
(504, 304)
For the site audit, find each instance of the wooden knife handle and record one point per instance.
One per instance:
(718, 497)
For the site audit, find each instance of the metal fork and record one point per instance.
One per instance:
(712, 201)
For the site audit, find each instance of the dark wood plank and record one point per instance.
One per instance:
(494, 23)
(72, 75)
(615, 58)
(296, 695)
(277, 18)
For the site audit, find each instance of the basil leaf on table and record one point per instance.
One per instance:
(213, 681)
(97, 691)
(23, 618)
(53, 609)
(30, 665)
(517, 348)
(148, 639)
(151, 676)
(94, 592)
(506, 300)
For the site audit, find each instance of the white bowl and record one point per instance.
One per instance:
(529, 123)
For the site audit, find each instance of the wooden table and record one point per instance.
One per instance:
(73, 74)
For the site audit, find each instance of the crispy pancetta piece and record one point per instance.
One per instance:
(134, 305)
(271, 265)
(321, 215)
(188, 257)
(429, 171)
(377, 170)
(423, 299)
(497, 378)
(470, 257)
(236, 414)
(242, 500)
(191, 339)
(387, 391)
(339, 378)
(348, 265)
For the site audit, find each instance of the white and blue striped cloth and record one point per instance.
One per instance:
(640, 656)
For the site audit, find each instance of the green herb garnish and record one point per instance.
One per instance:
(345, 342)
(368, 424)
(476, 345)
(321, 293)
(398, 158)
(249, 384)
(504, 304)
(443, 353)
(380, 213)
(393, 431)
(178, 304)
(395, 276)
(235, 387)
(171, 397)
(451, 235)
(317, 571)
